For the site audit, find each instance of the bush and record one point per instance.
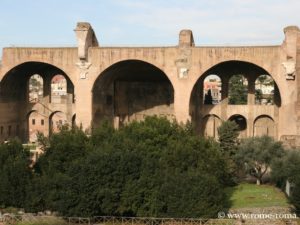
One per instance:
(15, 174)
(287, 168)
(256, 155)
(149, 168)
(228, 139)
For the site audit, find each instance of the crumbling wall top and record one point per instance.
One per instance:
(85, 38)
(186, 38)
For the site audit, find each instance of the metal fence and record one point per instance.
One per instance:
(106, 220)
(103, 220)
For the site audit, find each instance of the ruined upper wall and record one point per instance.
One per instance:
(184, 57)
(86, 38)
(63, 58)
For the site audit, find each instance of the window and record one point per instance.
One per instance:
(33, 121)
(42, 122)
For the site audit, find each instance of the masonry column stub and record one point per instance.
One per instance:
(184, 59)
(86, 38)
(290, 46)
(186, 39)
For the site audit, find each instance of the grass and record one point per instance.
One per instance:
(255, 196)
(44, 221)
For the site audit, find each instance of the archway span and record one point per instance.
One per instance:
(14, 94)
(13, 86)
(226, 70)
(130, 90)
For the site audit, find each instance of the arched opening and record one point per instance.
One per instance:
(264, 90)
(59, 89)
(264, 125)
(212, 90)
(238, 90)
(242, 124)
(35, 88)
(36, 124)
(210, 125)
(25, 88)
(130, 90)
(56, 121)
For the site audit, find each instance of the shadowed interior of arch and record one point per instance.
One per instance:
(27, 89)
(130, 90)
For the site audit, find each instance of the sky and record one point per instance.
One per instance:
(51, 23)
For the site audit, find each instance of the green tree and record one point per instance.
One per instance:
(51, 182)
(256, 154)
(262, 82)
(237, 90)
(258, 96)
(228, 137)
(228, 134)
(287, 169)
(15, 174)
(150, 168)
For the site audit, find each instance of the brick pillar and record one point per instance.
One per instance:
(182, 102)
(83, 102)
(251, 104)
(86, 38)
(224, 96)
(47, 87)
(251, 90)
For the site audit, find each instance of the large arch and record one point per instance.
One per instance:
(14, 94)
(130, 90)
(226, 70)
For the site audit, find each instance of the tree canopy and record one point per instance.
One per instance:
(256, 154)
(15, 174)
(150, 168)
(238, 90)
(287, 168)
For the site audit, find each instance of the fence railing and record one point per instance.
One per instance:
(107, 220)
(11, 219)
(103, 220)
